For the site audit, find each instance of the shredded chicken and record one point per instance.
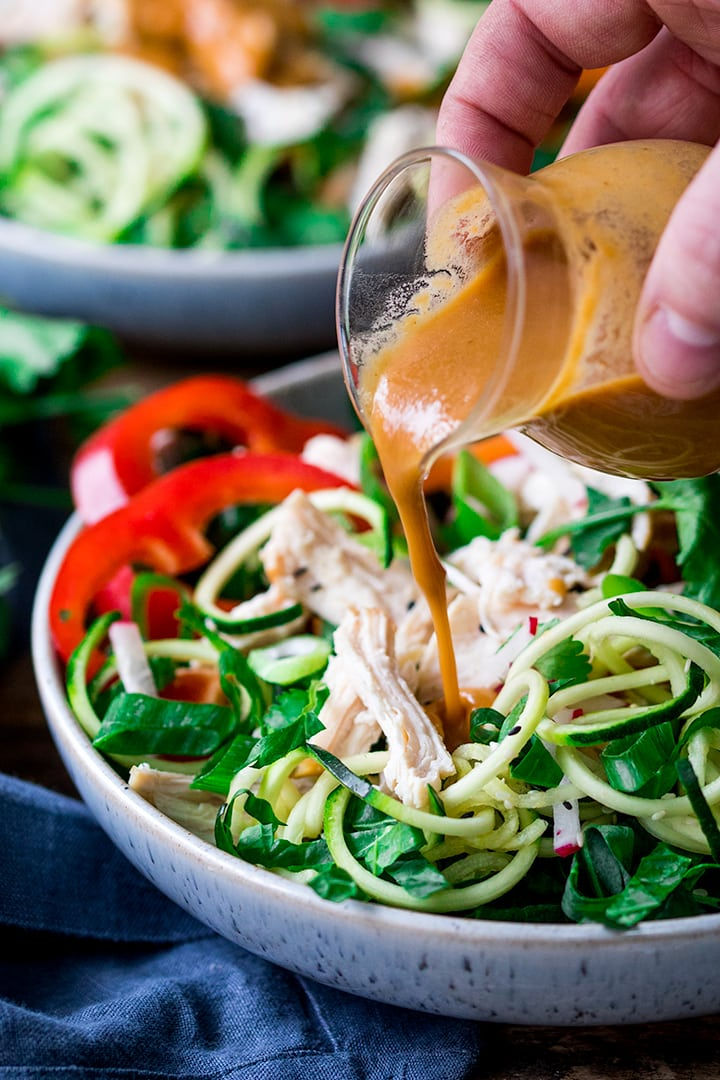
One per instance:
(335, 455)
(517, 579)
(475, 653)
(172, 795)
(349, 728)
(312, 559)
(414, 631)
(389, 135)
(365, 654)
(552, 491)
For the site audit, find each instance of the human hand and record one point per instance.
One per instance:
(518, 71)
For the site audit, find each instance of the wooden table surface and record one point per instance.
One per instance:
(689, 1049)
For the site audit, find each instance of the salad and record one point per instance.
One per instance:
(220, 124)
(244, 641)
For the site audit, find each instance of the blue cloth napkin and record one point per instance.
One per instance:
(102, 976)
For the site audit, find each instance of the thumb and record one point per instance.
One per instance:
(677, 325)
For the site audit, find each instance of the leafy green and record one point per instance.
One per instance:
(238, 680)
(696, 505)
(280, 741)
(218, 773)
(599, 870)
(534, 764)
(287, 724)
(485, 724)
(333, 883)
(45, 367)
(137, 724)
(390, 848)
(658, 875)
(589, 544)
(618, 584)
(258, 844)
(619, 878)
(417, 875)
(33, 349)
(242, 688)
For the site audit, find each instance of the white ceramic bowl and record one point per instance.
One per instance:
(506, 972)
(265, 301)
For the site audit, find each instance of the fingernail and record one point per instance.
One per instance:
(680, 358)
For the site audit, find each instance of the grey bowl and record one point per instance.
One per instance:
(261, 302)
(493, 971)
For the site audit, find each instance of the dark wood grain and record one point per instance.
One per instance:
(683, 1050)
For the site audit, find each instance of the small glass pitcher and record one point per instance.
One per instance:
(472, 300)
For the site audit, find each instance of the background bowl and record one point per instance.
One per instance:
(260, 301)
(497, 971)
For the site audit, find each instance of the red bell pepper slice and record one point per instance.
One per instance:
(118, 459)
(162, 527)
(161, 603)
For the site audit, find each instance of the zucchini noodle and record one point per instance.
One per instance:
(88, 144)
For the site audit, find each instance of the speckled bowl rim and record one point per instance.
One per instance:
(145, 261)
(412, 928)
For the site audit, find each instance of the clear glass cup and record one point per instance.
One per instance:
(474, 300)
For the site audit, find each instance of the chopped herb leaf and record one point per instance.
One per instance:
(566, 664)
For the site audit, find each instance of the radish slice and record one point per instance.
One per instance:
(567, 830)
(132, 663)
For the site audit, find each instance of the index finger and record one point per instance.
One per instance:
(521, 65)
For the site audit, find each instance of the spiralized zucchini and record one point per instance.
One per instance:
(89, 144)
